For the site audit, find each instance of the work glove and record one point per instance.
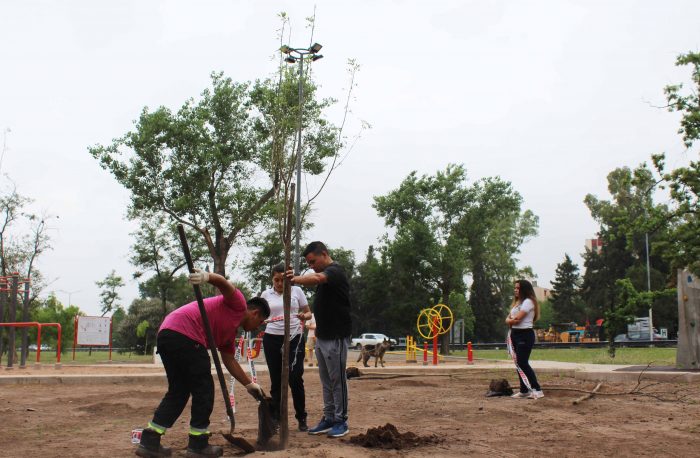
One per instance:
(255, 390)
(199, 277)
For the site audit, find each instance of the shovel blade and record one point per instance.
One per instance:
(239, 442)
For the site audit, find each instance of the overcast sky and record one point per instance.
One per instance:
(550, 95)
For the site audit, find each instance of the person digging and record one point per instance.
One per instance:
(182, 347)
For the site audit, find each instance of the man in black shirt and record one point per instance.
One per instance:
(331, 308)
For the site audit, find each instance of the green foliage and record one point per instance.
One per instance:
(629, 303)
(688, 103)
(566, 303)
(445, 229)
(179, 291)
(625, 221)
(142, 328)
(52, 311)
(157, 249)
(132, 327)
(109, 296)
(216, 163)
(546, 315)
(683, 246)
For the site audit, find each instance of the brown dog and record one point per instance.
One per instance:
(377, 351)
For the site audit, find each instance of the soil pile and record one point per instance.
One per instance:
(388, 437)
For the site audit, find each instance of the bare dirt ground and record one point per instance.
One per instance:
(95, 420)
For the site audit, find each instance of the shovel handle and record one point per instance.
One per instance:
(207, 327)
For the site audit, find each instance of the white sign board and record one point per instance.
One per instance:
(93, 330)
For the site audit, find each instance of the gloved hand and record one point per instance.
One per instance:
(255, 390)
(199, 277)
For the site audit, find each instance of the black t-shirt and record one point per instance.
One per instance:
(332, 305)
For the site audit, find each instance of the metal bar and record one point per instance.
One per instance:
(25, 318)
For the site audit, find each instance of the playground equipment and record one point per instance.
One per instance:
(432, 322)
(39, 327)
(9, 290)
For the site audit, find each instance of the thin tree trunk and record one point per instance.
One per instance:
(287, 297)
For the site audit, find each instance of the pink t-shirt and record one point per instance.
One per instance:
(224, 318)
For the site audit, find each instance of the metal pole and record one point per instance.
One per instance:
(651, 325)
(25, 318)
(298, 203)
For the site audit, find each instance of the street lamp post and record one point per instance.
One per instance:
(69, 293)
(295, 55)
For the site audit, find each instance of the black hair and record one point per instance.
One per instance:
(258, 303)
(278, 269)
(315, 248)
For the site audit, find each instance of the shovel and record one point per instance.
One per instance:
(237, 441)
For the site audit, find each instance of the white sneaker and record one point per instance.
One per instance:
(536, 394)
(520, 395)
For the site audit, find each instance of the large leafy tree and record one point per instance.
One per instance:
(626, 220)
(683, 247)
(446, 229)
(215, 164)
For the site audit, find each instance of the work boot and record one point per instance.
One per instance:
(302, 424)
(150, 445)
(198, 447)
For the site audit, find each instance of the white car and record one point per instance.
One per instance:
(370, 339)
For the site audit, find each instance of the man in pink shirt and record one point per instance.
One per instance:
(182, 346)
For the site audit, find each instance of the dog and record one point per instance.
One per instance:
(377, 351)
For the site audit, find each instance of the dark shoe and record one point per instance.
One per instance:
(198, 447)
(302, 425)
(323, 426)
(150, 447)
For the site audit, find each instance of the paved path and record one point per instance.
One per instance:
(147, 373)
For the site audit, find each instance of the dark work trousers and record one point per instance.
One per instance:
(188, 368)
(273, 346)
(523, 341)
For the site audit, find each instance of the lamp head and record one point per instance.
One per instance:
(315, 48)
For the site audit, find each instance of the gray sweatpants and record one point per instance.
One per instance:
(332, 356)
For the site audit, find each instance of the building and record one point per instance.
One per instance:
(594, 245)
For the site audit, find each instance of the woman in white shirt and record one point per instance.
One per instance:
(273, 342)
(524, 312)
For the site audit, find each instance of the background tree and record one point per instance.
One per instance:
(496, 229)
(157, 249)
(141, 332)
(566, 302)
(625, 220)
(140, 310)
(51, 310)
(109, 296)
(446, 229)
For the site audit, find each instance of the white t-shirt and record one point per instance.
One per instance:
(526, 306)
(277, 309)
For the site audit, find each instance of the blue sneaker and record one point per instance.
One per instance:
(339, 430)
(323, 426)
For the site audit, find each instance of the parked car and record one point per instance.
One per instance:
(44, 347)
(642, 336)
(371, 339)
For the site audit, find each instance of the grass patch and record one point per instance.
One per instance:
(635, 356)
(82, 357)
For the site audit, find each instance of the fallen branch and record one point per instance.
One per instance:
(588, 395)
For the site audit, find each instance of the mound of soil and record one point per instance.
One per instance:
(388, 437)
